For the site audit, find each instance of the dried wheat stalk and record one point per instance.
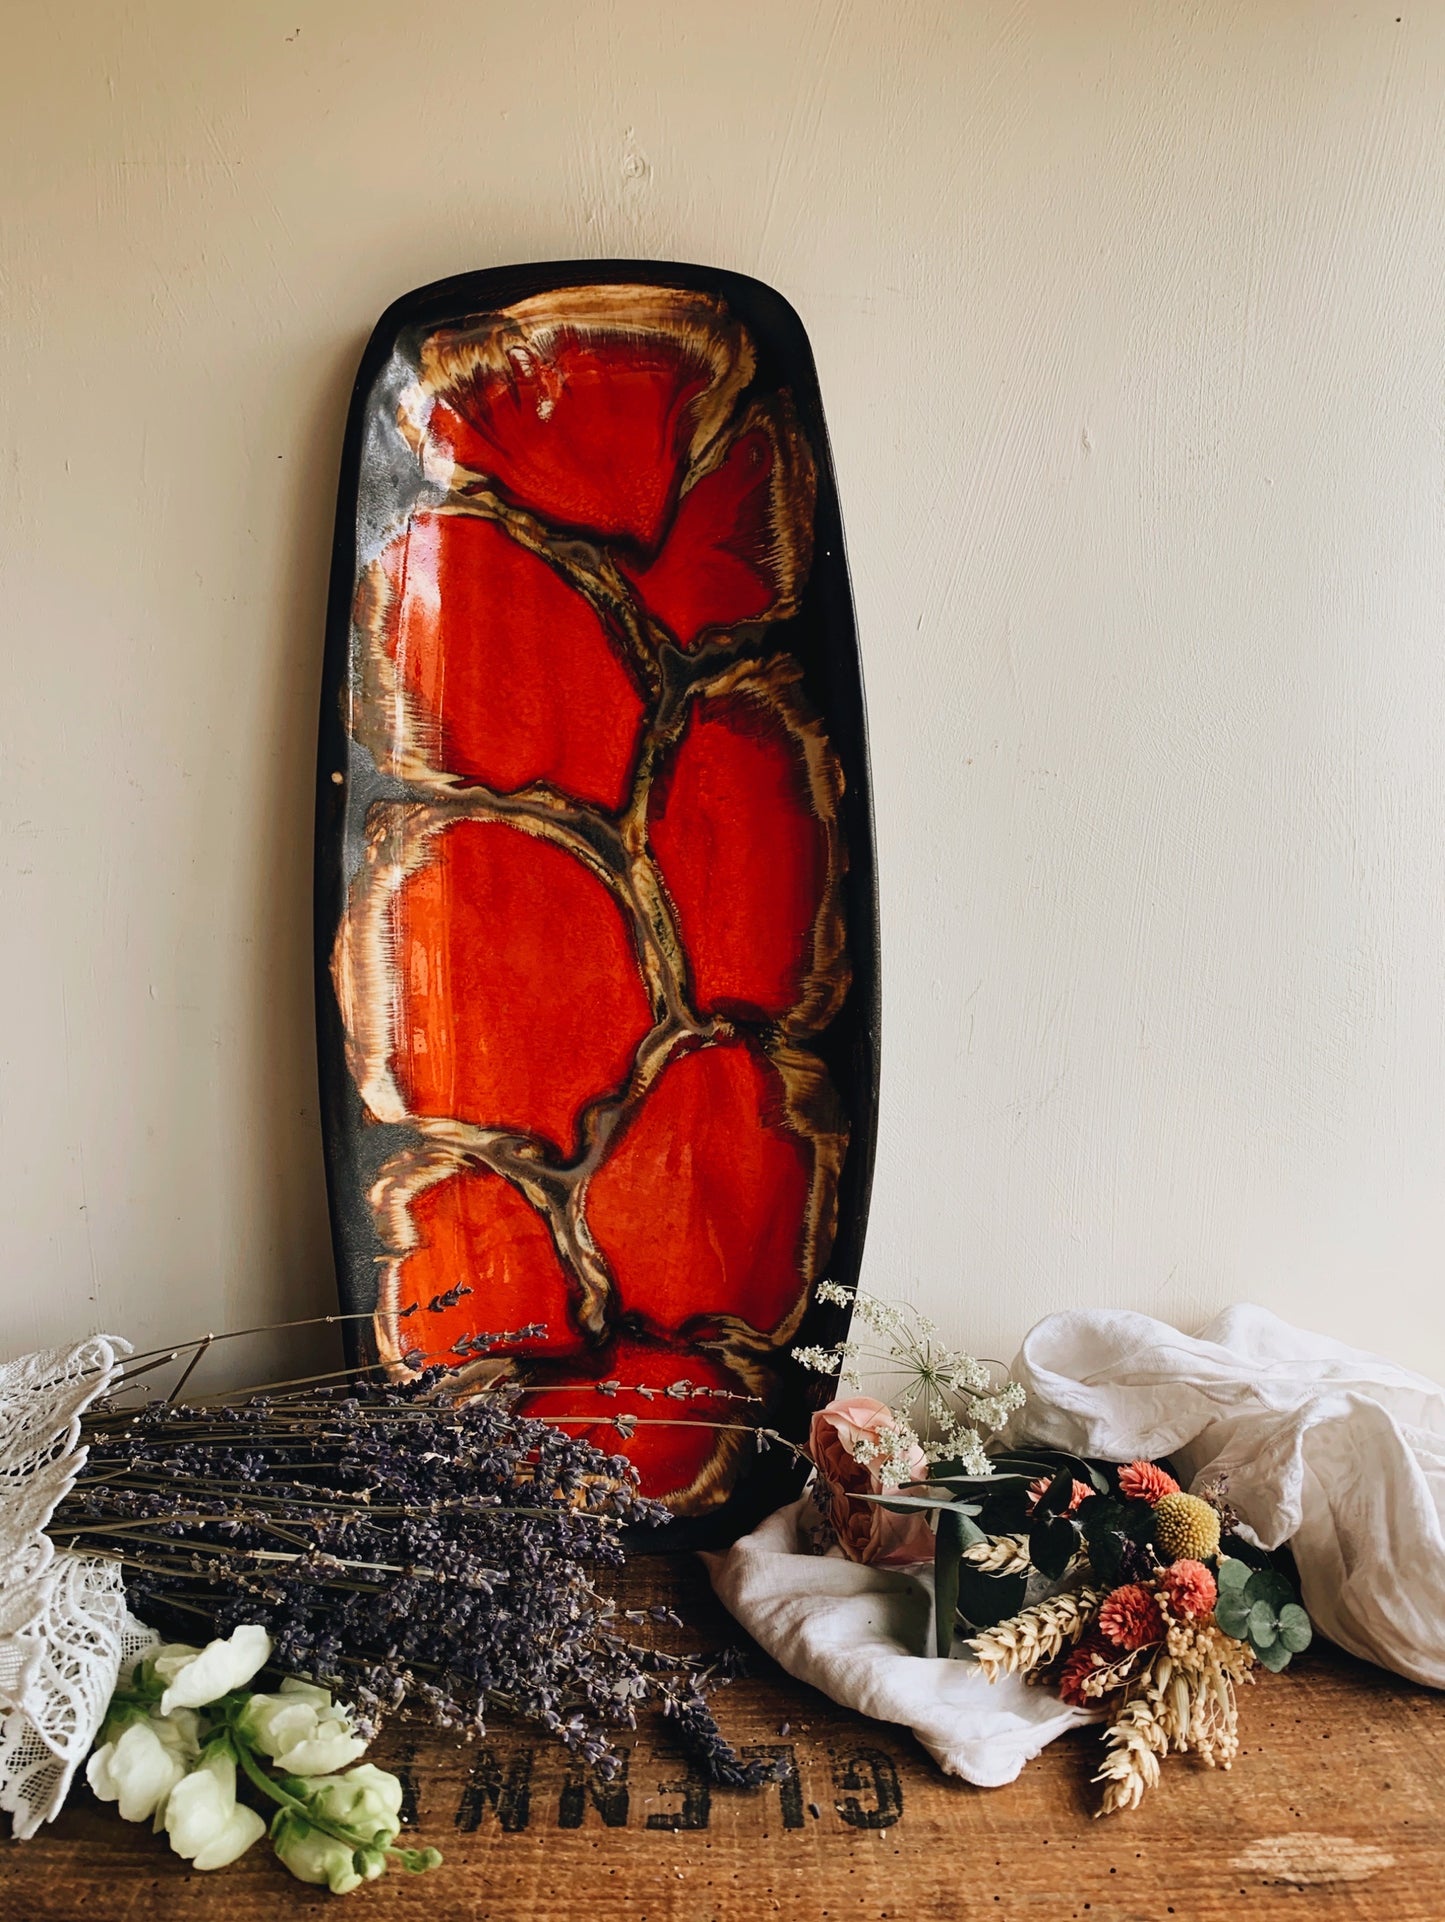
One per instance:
(1004, 1555)
(1184, 1699)
(1135, 1740)
(1036, 1635)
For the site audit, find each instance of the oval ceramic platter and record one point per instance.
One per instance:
(596, 918)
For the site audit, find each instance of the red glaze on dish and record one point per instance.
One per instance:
(588, 957)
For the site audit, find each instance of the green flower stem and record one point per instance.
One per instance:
(134, 1698)
(270, 1787)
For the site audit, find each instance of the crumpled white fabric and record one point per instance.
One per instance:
(1336, 1451)
(1333, 1450)
(860, 1635)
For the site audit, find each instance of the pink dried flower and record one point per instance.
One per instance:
(1145, 1482)
(1130, 1617)
(858, 1425)
(1041, 1486)
(1189, 1589)
(1093, 1652)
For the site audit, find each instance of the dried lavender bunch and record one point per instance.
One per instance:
(409, 1548)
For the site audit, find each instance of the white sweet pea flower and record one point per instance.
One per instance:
(314, 1857)
(193, 1677)
(142, 1764)
(301, 1729)
(364, 1803)
(162, 1663)
(366, 1800)
(205, 1822)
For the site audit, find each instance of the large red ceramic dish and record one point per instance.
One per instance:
(452, 611)
(594, 884)
(671, 1408)
(705, 1202)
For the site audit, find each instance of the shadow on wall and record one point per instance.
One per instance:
(277, 1179)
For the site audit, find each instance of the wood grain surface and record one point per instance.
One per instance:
(1334, 1810)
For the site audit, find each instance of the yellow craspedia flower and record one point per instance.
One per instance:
(1186, 1529)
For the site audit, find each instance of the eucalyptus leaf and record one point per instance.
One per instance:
(1274, 1657)
(1053, 1544)
(905, 1504)
(1232, 1615)
(1058, 1497)
(984, 1600)
(983, 1484)
(1006, 1509)
(1263, 1626)
(1055, 1461)
(1086, 1472)
(1233, 1575)
(948, 1550)
(1295, 1630)
(1272, 1587)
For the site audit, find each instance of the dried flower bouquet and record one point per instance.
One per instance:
(1107, 1582)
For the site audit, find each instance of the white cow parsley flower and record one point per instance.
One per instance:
(947, 1401)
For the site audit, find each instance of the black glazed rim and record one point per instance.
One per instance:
(823, 638)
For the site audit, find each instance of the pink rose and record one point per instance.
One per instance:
(866, 1532)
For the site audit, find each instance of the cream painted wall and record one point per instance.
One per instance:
(1131, 326)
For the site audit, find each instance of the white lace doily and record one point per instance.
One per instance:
(64, 1627)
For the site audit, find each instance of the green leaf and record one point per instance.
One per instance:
(1053, 1544)
(1005, 1510)
(1274, 1657)
(978, 1484)
(1263, 1626)
(1268, 1585)
(1058, 1497)
(1295, 1630)
(1109, 1525)
(1052, 1462)
(1029, 1466)
(940, 1471)
(1080, 1470)
(947, 1558)
(119, 1716)
(986, 1599)
(1232, 1615)
(954, 1471)
(906, 1504)
(1233, 1575)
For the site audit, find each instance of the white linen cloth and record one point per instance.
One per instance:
(1336, 1451)
(860, 1634)
(1330, 1449)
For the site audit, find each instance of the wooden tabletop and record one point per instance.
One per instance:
(1335, 1809)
